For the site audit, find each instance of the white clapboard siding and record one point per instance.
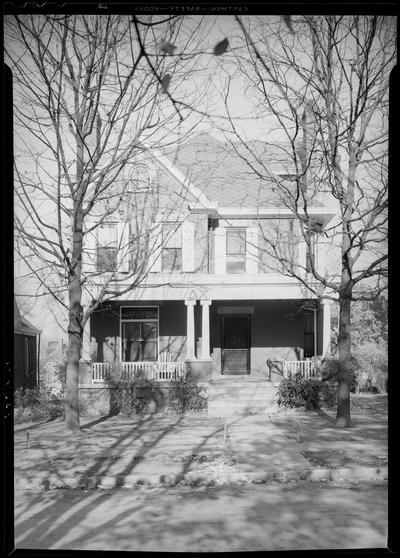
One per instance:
(220, 251)
(188, 246)
(89, 256)
(252, 250)
(155, 239)
(123, 253)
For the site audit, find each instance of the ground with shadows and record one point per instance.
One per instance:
(291, 516)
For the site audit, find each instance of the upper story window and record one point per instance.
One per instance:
(235, 250)
(172, 247)
(106, 251)
(313, 233)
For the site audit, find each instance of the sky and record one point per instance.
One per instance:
(210, 79)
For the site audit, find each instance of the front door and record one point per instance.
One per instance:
(235, 345)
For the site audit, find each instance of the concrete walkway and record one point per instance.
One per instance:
(167, 450)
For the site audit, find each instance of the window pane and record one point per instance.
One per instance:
(172, 235)
(149, 331)
(139, 313)
(149, 350)
(235, 264)
(106, 259)
(139, 341)
(236, 241)
(172, 259)
(107, 235)
(130, 342)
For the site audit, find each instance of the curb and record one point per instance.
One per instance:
(52, 481)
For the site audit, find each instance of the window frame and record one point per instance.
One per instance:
(235, 254)
(165, 248)
(107, 248)
(141, 320)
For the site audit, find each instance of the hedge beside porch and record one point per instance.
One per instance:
(153, 397)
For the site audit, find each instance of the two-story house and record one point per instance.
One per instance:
(217, 301)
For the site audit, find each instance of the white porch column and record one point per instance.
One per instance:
(86, 346)
(205, 329)
(326, 328)
(190, 352)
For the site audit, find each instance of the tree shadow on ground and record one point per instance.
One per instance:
(105, 519)
(221, 519)
(145, 434)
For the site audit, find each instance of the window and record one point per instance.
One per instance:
(235, 250)
(172, 247)
(312, 235)
(107, 248)
(309, 333)
(139, 179)
(139, 333)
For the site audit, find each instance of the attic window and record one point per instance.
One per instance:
(140, 179)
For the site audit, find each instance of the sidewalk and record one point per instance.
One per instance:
(169, 450)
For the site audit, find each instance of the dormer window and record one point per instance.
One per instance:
(236, 250)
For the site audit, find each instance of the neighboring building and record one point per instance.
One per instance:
(26, 352)
(215, 302)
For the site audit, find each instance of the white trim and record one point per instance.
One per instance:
(188, 246)
(219, 251)
(322, 213)
(252, 256)
(121, 319)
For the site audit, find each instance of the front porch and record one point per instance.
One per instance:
(214, 340)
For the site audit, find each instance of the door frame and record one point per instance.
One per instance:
(238, 315)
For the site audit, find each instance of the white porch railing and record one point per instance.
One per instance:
(158, 371)
(306, 368)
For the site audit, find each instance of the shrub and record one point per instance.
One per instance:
(36, 404)
(133, 396)
(186, 395)
(141, 394)
(328, 394)
(296, 391)
(370, 366)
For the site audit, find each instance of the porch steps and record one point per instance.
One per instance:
(228, 397)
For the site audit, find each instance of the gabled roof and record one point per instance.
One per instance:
(221, 172)
(21, 324)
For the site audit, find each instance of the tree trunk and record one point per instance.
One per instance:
(72, 381)
(345, 373)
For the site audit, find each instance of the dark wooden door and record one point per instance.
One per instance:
(235, 344)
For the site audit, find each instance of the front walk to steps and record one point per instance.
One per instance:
(233, 396)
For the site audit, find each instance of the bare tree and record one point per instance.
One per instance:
(324, 84)
(90, 94)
